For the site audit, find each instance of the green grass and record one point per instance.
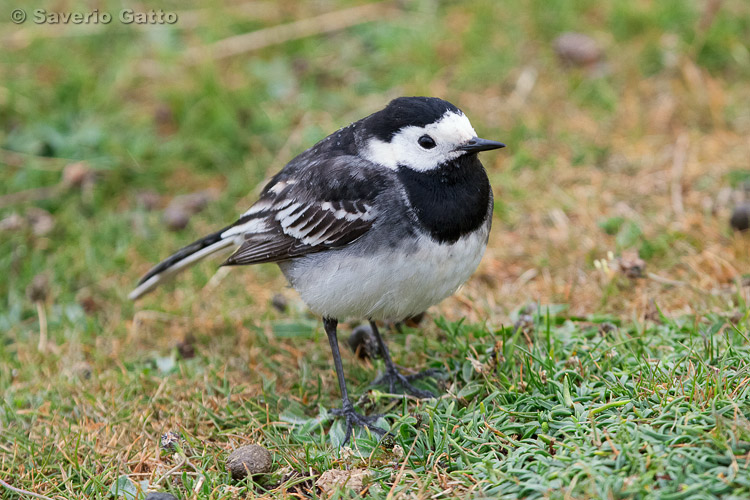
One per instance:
(566, 406)
(604, 397)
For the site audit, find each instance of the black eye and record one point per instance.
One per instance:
(427, 142)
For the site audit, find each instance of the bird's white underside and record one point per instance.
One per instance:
(390, 285)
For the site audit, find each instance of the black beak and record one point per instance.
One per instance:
(475, 145)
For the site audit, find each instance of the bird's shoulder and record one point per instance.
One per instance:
(335, 177)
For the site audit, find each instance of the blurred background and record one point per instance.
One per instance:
(623, 191)
(627, 125)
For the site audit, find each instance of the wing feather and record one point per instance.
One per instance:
(296, 220)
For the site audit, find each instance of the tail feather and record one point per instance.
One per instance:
(181, 260)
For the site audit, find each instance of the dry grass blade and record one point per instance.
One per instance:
(33, 194)
(17, 159)
(23, 492)
(324, 23)
(266, 11)
(678, 171)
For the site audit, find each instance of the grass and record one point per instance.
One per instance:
(561, 406)
(633, 387)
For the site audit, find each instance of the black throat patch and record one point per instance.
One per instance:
(451, 200)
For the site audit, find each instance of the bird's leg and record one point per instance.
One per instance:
(347, 408)
(392, 377)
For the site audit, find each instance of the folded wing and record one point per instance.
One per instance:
(301, 211)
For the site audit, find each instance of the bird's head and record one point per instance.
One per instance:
(420, 133)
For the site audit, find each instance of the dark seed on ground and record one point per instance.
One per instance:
(279, 302)
(186, 347)
(248, 460)
(362, 342)
(160, 496)
(740, 220)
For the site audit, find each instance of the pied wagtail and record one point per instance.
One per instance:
(380, 220)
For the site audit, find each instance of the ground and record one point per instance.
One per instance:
(600, 351)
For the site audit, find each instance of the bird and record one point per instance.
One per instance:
(378, 221)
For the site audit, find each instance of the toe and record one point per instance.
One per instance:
(353, 418)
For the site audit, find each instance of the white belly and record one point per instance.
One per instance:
(391, 285)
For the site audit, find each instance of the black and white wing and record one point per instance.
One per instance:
(292, 223)
(306, 208)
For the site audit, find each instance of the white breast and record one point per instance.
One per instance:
(391, 285)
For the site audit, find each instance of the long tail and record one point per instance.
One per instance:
(181, 260)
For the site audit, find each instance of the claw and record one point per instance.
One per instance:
(392, 378)
(353, 418)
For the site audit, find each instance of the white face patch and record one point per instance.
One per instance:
(452, 130)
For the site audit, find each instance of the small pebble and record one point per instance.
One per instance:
(186, 347)
(362, 342)
(82, 369)
(607, 327)
(251, 459)
(148, 199)
(279, 303)
(77, 174)
(160, 496)
(164, 120)
(525, 323)
(577, 49)
(87, 302)
(632, 265)
(176, 217)
(194, 202)
(180, 209)
(41, 221)
(13, 222)
(740, 220)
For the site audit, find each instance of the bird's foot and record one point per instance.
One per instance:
(353, 418)
(393, 379)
